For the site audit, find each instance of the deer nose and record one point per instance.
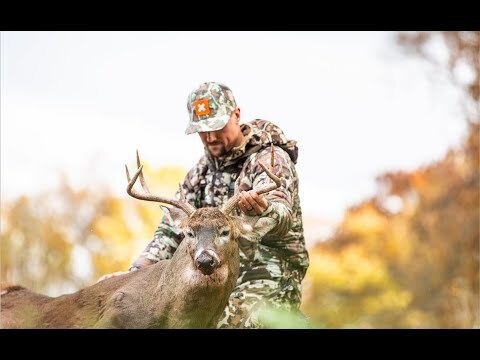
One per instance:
(206, 263)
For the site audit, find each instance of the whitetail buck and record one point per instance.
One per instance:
(190, 290)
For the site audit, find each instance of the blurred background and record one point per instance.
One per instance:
(387, 125)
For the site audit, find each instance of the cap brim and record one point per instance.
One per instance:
(210, 124)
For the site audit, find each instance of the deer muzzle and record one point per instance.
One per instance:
(207, 261)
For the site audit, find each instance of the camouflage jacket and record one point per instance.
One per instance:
(211, 182)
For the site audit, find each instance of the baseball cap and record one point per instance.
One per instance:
(209, 107)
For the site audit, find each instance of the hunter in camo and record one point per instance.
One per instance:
(271, 271)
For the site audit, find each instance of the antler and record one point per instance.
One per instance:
(146, 195)
(232, 202)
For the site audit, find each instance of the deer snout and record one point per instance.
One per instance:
(206, 262)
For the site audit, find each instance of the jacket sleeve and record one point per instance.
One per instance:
(164, 243)
(167, 237)
(280, 199)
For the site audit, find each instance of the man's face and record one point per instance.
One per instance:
(220, 142)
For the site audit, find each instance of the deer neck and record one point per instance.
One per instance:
(191, 299)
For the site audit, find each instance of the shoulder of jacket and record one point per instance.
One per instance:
(260, 123)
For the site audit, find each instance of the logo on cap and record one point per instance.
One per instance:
(201, 107)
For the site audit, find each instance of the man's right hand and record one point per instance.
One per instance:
(108, 276)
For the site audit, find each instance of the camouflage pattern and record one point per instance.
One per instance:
(221, 103)
(272, 269)
(251, 298)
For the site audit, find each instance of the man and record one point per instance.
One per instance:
(271, 272)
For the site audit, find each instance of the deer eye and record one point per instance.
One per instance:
(225, 233)
(189, 233)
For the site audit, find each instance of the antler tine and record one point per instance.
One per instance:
(232, 202)
(146, 195)
(142, 179)
(182, 194)
(266, 188)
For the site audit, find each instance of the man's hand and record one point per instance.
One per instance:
(251, 203)
(108, 276)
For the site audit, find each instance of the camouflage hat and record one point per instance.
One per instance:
(209, 107)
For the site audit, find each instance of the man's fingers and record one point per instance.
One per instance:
(245, 205)
(251, 202)
(102, 278)
(108, 276)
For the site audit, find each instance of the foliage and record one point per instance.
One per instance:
(277, 318)
(409, 256)
(418, 267)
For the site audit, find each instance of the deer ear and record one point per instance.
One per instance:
(253, 228)
(174, 215)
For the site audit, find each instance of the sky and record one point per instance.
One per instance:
(81, 103)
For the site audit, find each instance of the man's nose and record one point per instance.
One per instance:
(211, 136)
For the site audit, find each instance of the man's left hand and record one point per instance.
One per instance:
(252, 203)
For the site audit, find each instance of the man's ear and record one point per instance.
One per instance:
(237, 115)
(174, 215)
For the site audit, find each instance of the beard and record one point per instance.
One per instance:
(217, 149)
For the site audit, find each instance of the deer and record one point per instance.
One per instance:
(189, 290)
